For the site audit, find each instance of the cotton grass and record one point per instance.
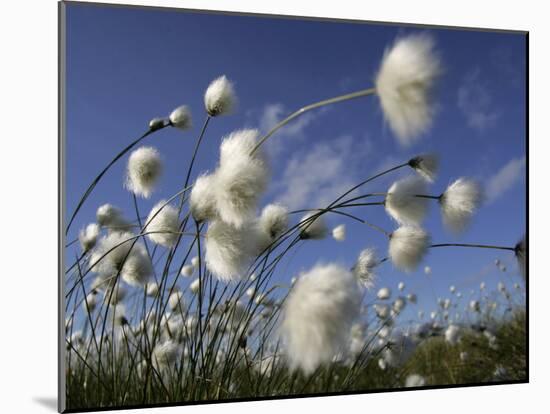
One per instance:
(459, 202)
(408, 246)
(241, 178)
(88, 236)
(163, 224)
(318, 316)
(405, 83)
(364, 267)
(143, 171)
(220, 98)
(313, 226)
(181, 118)
(403, 205)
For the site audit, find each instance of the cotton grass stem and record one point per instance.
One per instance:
(479, 246)
(102, 173)
(330, 101)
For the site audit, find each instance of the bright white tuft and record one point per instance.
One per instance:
(194, 286)
(110, 217)
(187, 270)
(163, 225)
(315, 229)
(339, 232)
(241, 178)
(120, 253)
(364, 268)
(408, 245)
(415, 380)
(459, 203)
(384, 293)
(143, 171)
(202, 201)
(318, 316)
(230, 250)
(181, 118)
(274, 221)
(165, 355)
(452, 334)
(88, 236)
(404, 84)
(152, 289)
(403, 205)
(220, 98)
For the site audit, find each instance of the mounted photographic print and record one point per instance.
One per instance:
(258, 207)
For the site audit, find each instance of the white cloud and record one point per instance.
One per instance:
(317, 175)
(272, 114)
(476, 102)
(505, 178)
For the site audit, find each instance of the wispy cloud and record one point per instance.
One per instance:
(476, 102)
(505, 178)
(315, 176)
(273, 113)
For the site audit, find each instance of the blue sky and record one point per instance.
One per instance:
(128, 65)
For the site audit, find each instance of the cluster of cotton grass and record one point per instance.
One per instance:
(183, 298)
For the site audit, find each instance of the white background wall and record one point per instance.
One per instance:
(28, 206)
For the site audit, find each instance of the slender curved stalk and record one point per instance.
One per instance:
(102, 173)
(296, 114)
(195, 151)
(479, 246)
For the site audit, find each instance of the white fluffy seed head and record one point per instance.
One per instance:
(241, 178)
(119, 253)
(88, 236)
(91, 301)
(111, 217)
(382, 311)
(412, 298)
(408, 246)
(230, 250)
(315, 229)
(187, 270)
(459, 202)
(452, 334)
(398, 305)
(195, 261)
(194, 286)
(152, 289)
(339, 232)
(116, 294)
(364, 268)
(401, 286)
(202, 200)
(163, 224)
(405, 83)
(415, 380)
(109, 254)
(143, 171)
(220, 98)
(274, 221)
(176, 302)
(384, 293)
(138, 267)
(318, 316)
(165, 355)
(403, 205)
(426, 165)
(181, 118)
